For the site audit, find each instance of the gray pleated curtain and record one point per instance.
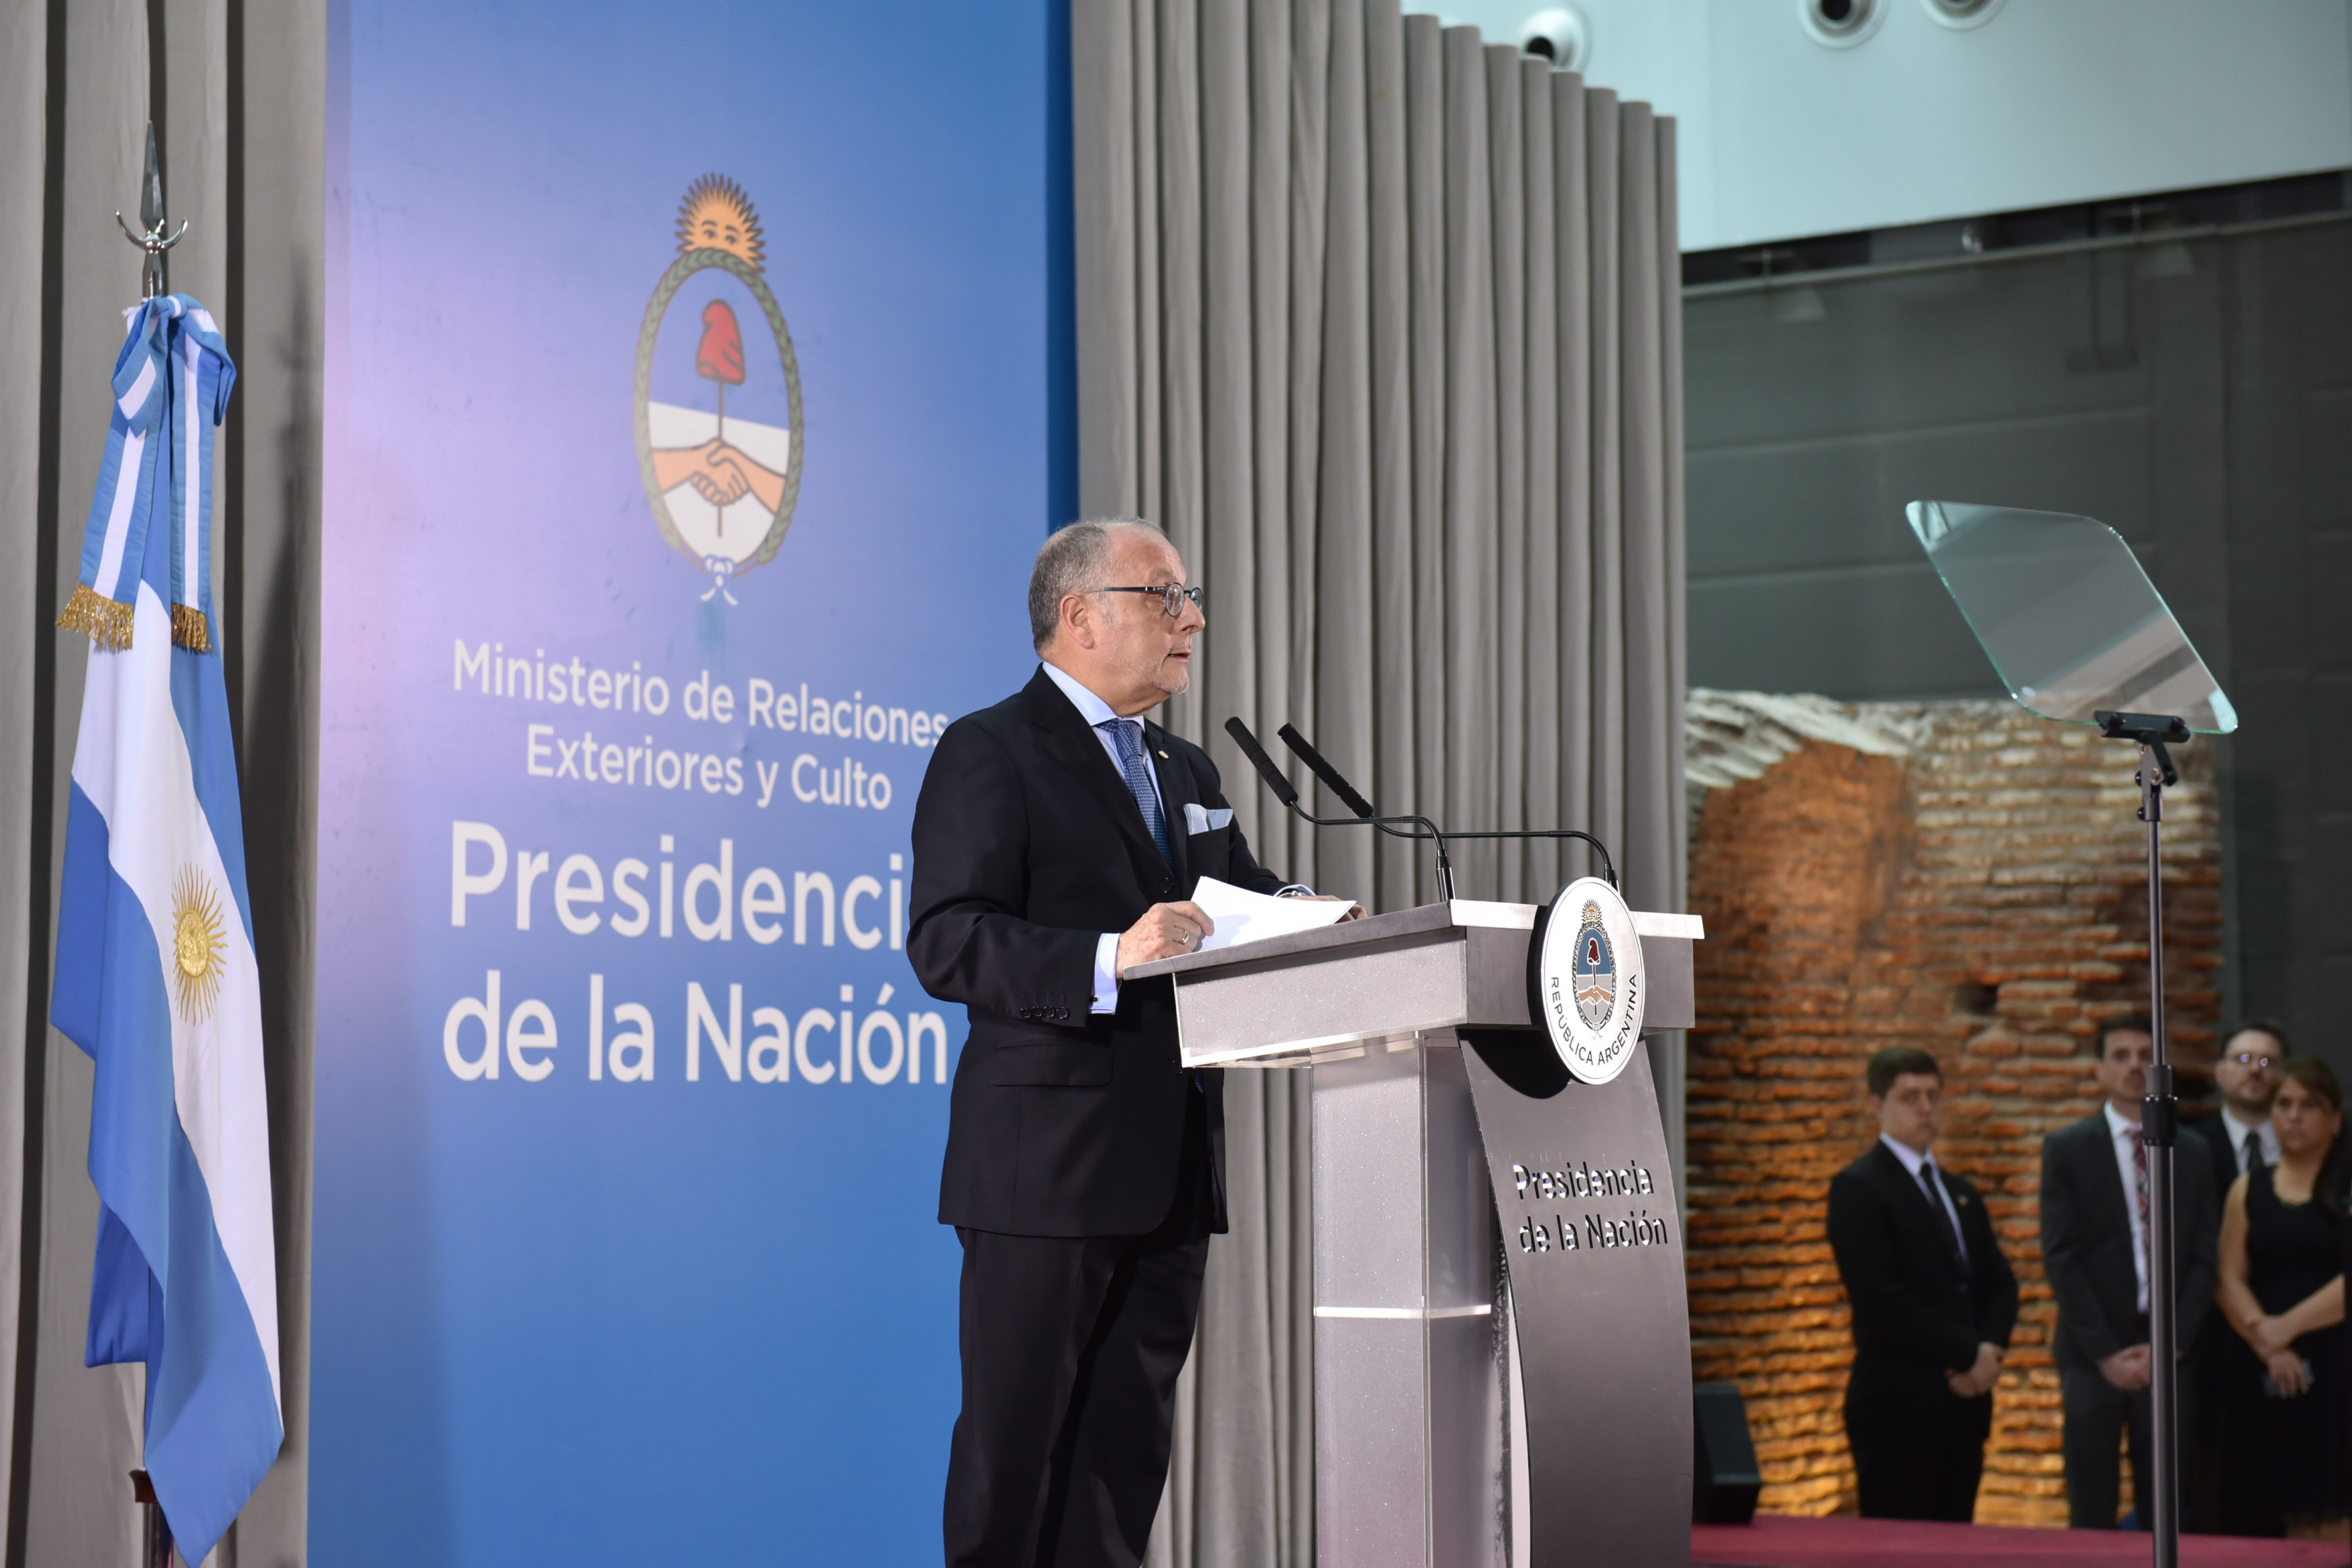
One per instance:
(238, 91)
(1381, 323)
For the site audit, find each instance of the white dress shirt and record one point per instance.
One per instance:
(2239, 1133)
(2124, 1136)
(1097, 714)
(1912, 1160)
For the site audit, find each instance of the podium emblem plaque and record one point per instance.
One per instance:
(1589, 987)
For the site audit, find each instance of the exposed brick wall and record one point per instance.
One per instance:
(1981, 898)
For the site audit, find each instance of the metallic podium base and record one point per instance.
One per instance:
(1410, 1414)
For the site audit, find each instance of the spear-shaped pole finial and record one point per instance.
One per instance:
(150, 237)
(151, 186)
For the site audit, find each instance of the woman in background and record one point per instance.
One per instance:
(2282, 1288)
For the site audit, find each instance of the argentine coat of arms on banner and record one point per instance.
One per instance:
(719, 393)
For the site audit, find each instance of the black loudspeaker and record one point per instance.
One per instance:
(1724, 1479)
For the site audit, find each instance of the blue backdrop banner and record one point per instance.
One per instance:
(692, 418)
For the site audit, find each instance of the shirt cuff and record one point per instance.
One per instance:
(1295, 891)
(1106, 972)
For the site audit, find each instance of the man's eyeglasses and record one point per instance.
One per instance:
(2250, 1059)
(1173, 596)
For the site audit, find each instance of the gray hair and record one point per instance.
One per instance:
(1071, 560)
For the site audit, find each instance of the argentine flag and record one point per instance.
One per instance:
(156, 969)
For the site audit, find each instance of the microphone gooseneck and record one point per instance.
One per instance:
(1321, 768)
(1274, 780)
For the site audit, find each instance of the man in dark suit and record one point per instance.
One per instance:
(1058, 840)
(2095, 1252)
(2240, 1134)
(1933, 1302)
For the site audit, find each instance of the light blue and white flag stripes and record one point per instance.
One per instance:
(202, 375)
(172, 359)
(114, 541)
(155, 973)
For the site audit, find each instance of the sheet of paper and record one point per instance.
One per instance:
(1242, 916)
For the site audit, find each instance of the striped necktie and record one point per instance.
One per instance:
(1128, 738)
(2139, 1189)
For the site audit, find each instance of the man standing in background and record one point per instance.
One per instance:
(2096, 1213)
(2246, 1074)
(1933, 1302)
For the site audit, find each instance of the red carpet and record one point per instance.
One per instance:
(1777, 1542)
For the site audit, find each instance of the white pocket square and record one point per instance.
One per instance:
(1199, 818)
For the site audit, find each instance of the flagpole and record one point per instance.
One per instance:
(156, 1532)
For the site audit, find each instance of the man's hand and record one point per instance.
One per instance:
(2129, 1369)
(1980, 1377)
(1164, 932)
(1355, 912)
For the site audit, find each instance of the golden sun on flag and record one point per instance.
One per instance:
(199, 945)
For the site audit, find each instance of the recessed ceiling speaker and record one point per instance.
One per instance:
(1962, 14)
(1842, 23)
(1559, 34)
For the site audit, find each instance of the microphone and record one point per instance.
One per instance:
(1267, 772)
(1273, 778)
(1323, 770)
(1306, 752)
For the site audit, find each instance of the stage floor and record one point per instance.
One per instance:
(1778, 1543)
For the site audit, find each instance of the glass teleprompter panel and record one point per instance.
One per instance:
(2070, 621)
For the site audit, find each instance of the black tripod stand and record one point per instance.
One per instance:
(2159, 1124)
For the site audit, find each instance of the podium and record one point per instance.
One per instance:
(1502, 1341)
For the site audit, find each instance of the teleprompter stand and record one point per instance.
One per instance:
(1502, 1341)
(2159, 1124)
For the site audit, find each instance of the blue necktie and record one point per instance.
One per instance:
(1128, 739)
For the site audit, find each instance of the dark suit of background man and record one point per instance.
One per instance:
(2095, 1252)
(1933, 1302)
(2246, 1074)
(1057, 839)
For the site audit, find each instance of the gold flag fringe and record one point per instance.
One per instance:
(190, 629)
(97, 617)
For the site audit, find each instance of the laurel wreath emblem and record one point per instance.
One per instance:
(684, 268)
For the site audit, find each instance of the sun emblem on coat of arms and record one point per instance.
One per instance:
(1593, 971)
(721, 481)
(199, 945)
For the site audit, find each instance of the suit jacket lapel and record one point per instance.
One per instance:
(1175, 794)
(1078, 753)
(1923, 1208)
